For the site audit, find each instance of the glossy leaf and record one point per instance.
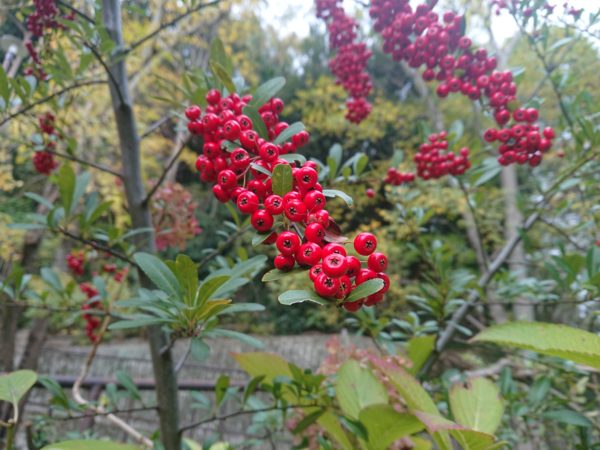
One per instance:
(287, 134)
(365, 289)
(340, 194)
(385, 425)
(265, 92)
(357, 388)
(159, 273)
(477, 405)
(282, 181)
(548, 339)
(299, 296)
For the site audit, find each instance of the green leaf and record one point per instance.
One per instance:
(357, 388)
(330, 423)
(360, 163)
(66, 186)
(334, 159)
(257, 121)
(136, 323)
(159, 273)
(51, 278)
(200, 350)
(290, 131)
(221, 73)
(365, 289)
(282, 180)
(209, 287)
(187, 275)
(276, 274)
(569, 417)
(477, 404)
(127, 382)
(81, 182)
(419, 348)
(265, 92)
(219, 55)
(548, 339)
(308, 420)
(41, 200)
(245, 338)
(242, 308)
(293, 157)
(299, 296)
(385, 425)
(15, 385)
(258, 364)
(89, 445)
(340, 194)
(4, 86)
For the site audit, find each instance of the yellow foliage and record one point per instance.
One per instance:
(10, 239)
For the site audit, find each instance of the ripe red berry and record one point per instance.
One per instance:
(262, 221)
(308, 254)
(377, 262)
(335, 265)
(288, 243)
(274, 204)
(370, 193)
(193, 112)
(334, 248)
(284, 262)
(247, 202)
(315, 271)
(365, 244)
(314, 232)
(326, 286)
(228, 179)
(295, 210)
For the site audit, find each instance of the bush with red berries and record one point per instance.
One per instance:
(286, 202)
(43, 159)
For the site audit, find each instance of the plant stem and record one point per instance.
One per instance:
(10, 437)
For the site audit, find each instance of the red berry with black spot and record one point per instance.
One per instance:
(365, 244)
(326, 286)
(247, 202)
(284, 262)
(308, 254)
(377, 261)
(334, 248)
(314, 232)
(193, 112)
(335, 265)
(274, 204)
(287, 243)
(262, 221)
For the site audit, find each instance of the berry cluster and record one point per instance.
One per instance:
(76, 263)
(297, 221)
(44, 18)
(92, 303)
(419, 38)
(433, 159)
(350, 63)
(43, 160)
(397, 178)
(173, 215)
(522, 143)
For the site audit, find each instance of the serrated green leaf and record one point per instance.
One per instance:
(477, 405)
(282, 180)
(549, 339)
(356, 388)
(385, 425)
(290, 131)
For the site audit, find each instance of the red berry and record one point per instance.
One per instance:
(308, 254)
(262, 221)
(326, 286)
(377, 262)
(274, 204)
(314, 232)
(334, 248)
(284, 262)
(365, 244)
(335, 265)
(228, 179)
(288, 243)
(247, 202)
(193, 112)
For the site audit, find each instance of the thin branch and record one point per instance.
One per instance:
(482, 254)
(112, 78)
(41, 101)
(85, 163)
(564, 234)
(158, 30)
(96, 245)
(242, 412)
(163, 175)
(106, 413)
(184, 357)
(155, 126)
(80, 13)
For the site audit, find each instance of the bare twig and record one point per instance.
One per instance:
(80, 13)
(85, 163)
(163, 175)
(96, 245)
(243, 412)
(41, 101)
(170, 23)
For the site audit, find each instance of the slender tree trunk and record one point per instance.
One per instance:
(129, 142)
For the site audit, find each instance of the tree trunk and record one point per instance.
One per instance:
(129, 144)
(513, 222)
